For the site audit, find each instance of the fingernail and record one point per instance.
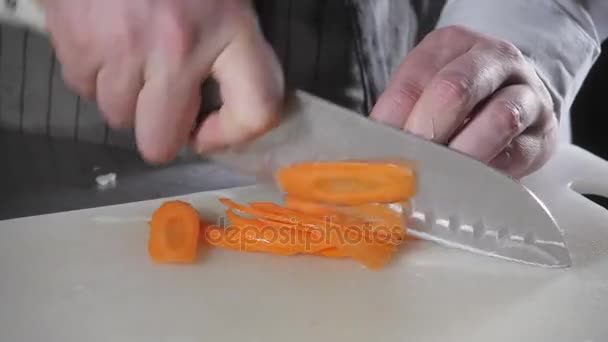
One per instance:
(388, 119)
(422, 128)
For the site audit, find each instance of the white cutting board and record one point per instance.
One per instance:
(85, 276)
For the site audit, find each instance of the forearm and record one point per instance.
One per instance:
(559, 37)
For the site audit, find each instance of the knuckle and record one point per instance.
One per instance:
(177, 32)
(266, 115)
(548, 110)
(508, 50)
(406, 93)
(509, 117)
(126, 38)
(456, 87)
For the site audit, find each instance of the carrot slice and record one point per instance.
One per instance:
(276, 234)
(351, 241)
(309, 207)
(346, 235)
(174, 233)
(378, 219)
(332, 253)
(348, 182)
(236, 239)
(258, 213)
(285, 216)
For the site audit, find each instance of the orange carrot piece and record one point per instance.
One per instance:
(174, 233)
(376, 219)
(345, 235)
(276, 234)
(348, 182)
(308, 207)
(386, 221)
(282, 215)
(256, 212)
(236, 239)
(351, 241)
(331, 253)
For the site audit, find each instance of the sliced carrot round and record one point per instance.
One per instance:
(348, 182)
(174, 233)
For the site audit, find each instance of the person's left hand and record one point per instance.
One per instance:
(476, 94)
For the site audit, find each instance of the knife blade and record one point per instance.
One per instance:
(461, 202)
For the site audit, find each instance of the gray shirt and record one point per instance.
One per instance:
(344, 51)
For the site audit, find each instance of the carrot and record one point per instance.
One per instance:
(235, 239)
(331, 253)
(174, 233)
(379, 219)
(276, 234)
(347, 237)
(348, 182)
(345, 209)
(285, 216)
(309, 207)
(385, 220)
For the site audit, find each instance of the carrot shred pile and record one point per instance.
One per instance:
(331, 209)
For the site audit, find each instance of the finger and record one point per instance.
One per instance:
(169, 101)
(251, 85)
(79, 72)
(80, 80)
(118, 86)
(417, 70)
(502, 118)
(165, 114)
(529, 151)
(74, 50)
(459, 87)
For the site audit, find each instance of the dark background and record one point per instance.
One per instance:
(589, 113)
(590, 108)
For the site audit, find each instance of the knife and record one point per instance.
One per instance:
(461, 202)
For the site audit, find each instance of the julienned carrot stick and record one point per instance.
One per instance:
(348, 182)
(174, 233)
(382, 219)
(348, 238)
(252, 234)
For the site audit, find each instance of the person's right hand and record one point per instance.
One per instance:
(145, 60)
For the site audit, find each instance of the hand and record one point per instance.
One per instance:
(476, 94)
(145, 60)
